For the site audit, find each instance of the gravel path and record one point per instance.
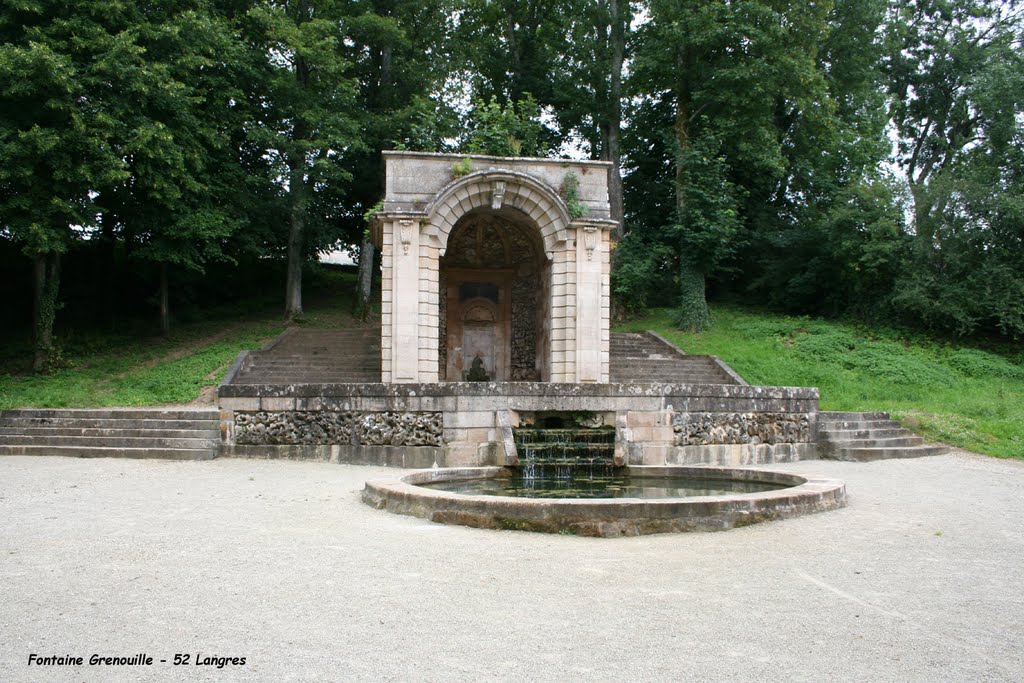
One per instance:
(921, 578)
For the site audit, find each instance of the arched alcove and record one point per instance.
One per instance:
(493, 284)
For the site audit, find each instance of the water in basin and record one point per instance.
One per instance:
(599, 483)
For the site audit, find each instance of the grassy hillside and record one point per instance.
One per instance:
(954, 394)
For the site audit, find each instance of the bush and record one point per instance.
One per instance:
(830, 346)
(982, 364)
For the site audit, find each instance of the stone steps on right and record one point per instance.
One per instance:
(644, 358)
(864, 437)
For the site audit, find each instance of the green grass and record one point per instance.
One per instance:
(131, 369)
(134, 372)
(958, 395)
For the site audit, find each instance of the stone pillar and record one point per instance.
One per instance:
(405, 299)
(429, 309)
(589, 275)
(387, 297)
(562, 316)
(606, 304)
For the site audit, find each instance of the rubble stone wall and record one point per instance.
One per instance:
(704, 429)
(337, 427)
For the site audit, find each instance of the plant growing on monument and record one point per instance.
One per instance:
(463, 167)
(570, 192)
(510, 129)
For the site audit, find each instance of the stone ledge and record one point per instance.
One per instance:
(406, 457)
(677, 392)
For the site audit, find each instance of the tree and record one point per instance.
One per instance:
(174, 109)
(763, 110)
(54, 138)
(955, 77)
(399, 50)
(588, 78)
(305, 120)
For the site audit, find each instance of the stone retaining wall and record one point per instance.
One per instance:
(459, 424)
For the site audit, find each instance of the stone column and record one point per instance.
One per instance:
(589, 271)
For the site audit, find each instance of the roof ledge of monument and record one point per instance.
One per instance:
(497, 159)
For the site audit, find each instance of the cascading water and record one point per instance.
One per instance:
(564, 458)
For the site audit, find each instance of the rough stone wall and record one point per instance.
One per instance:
(525, 291)
(342, 427)
(703, 429)
(524, 327)
(442, 330)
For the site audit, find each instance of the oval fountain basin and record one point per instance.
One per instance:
(637, 500)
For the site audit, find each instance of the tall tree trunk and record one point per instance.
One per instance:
(46, 284)
(296, 256)
(297, 201)
(618, 19)
(366, 253)
(693, 306)
(165, 308)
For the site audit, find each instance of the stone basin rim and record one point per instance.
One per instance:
(607, 516)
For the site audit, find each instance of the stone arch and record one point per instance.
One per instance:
(495, 190)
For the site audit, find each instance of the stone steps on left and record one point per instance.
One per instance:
(170, 434)
(349, 356)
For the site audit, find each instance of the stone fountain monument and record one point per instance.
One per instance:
(495, 300)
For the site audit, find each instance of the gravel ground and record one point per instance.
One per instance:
(920, 578)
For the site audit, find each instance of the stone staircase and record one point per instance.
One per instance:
(353, 356)
(184, 434)
(869, 436)
(314, 357)
(643, 357)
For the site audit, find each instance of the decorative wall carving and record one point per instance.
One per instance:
(590, 241)
(702, 429)
(405, 231)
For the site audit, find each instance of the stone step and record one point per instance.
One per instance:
(830, 426)
(870, 454)
(848, 416)
(108, 423)
(310, 372)
(250, 377)
(847, 434)
(872, 442)
(315, 362)
(211, 433)
(101, 452)
(302, 357)
(107, 441)
(319, 360)
(659, 367)
(663, 358)
(668, 378)
(708, 372)
(114, 413)
(335, 370)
